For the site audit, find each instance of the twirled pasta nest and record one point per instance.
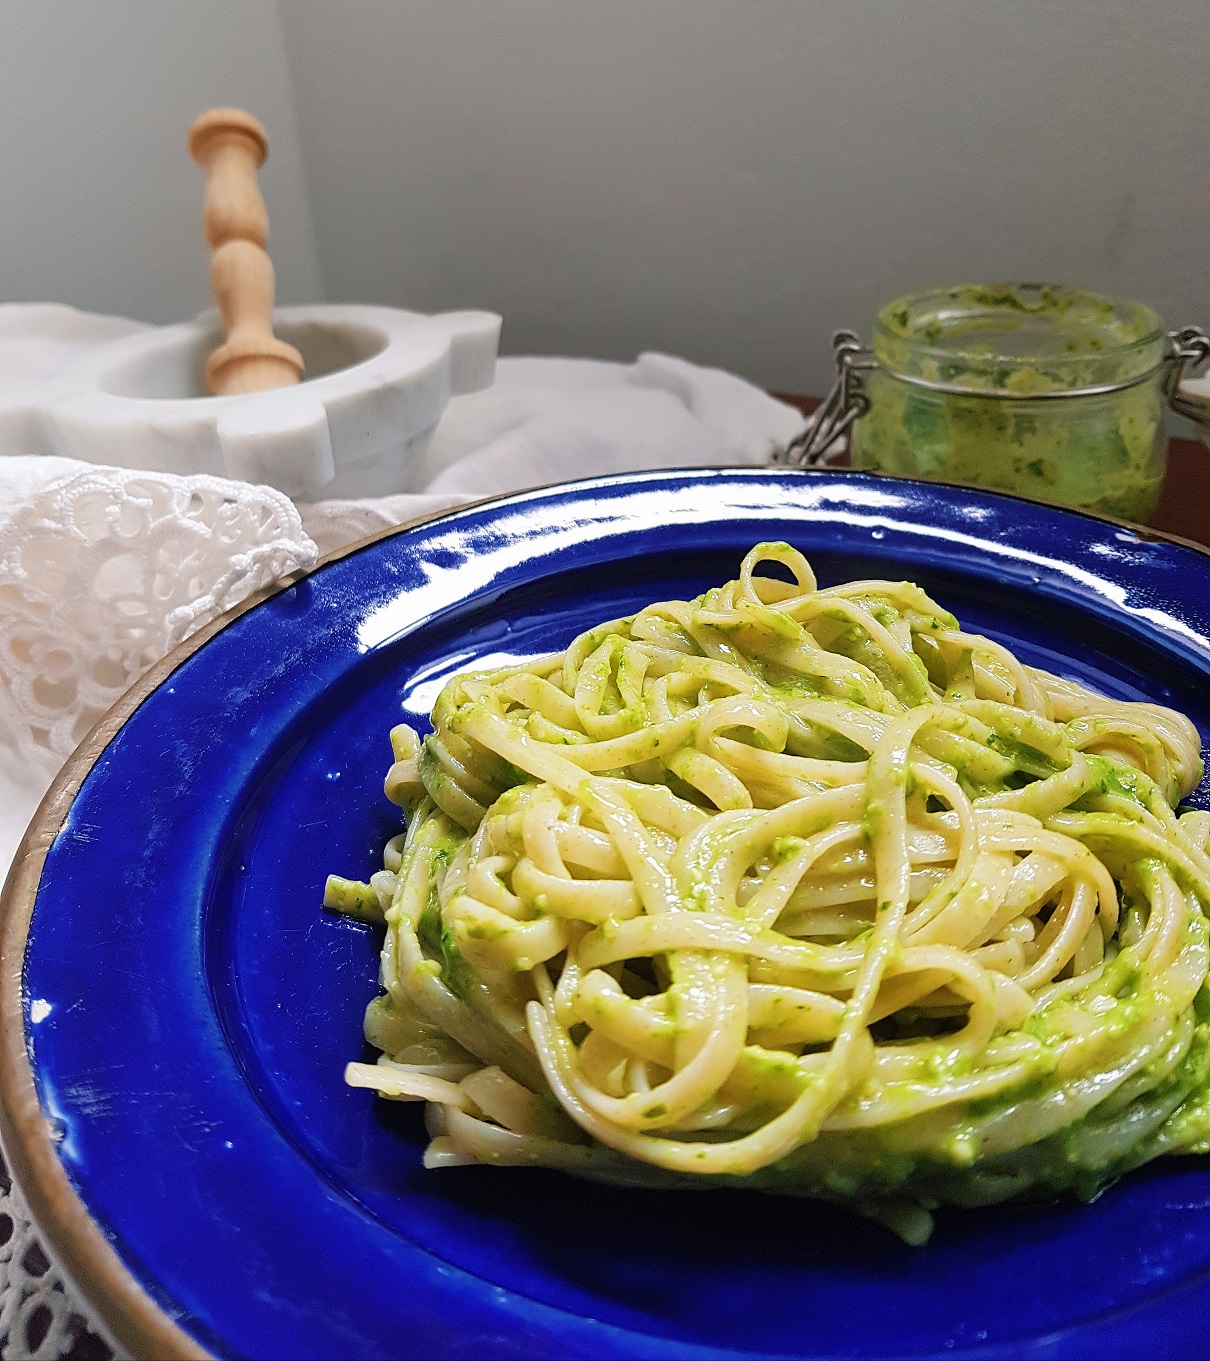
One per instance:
(804, 889)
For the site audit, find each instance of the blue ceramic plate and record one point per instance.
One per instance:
(186, 1008)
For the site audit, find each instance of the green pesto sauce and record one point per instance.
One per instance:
(1103, 452)
(436, 936)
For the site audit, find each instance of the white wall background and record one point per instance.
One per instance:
(725, 179)
(100, 205)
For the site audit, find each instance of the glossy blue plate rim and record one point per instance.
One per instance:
(1097, 562)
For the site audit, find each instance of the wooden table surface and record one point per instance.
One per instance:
(1184, 507)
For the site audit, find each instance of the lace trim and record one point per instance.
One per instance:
(39, 1319)
(105, 571)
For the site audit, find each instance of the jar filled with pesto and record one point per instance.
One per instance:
(1050, 392)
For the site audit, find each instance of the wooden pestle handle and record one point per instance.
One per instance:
(230, 145)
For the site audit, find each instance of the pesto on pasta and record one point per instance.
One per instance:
(804, 890)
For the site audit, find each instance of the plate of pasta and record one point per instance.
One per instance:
(688, 915)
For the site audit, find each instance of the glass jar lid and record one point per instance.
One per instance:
(1018, 339)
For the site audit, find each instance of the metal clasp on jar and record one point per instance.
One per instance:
(1189, 348)
(848, 400)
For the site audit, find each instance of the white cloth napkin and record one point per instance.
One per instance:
(102, 570)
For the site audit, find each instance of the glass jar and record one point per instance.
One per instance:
(1054, 393)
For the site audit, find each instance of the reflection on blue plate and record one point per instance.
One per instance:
(189, 1008)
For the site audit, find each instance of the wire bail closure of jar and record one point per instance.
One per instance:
(848, 400)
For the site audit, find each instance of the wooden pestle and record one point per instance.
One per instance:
(230, 145)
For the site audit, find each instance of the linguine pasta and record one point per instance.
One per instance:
(806, 890)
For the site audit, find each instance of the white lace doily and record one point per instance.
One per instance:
(103, 570)
(39, 1315)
